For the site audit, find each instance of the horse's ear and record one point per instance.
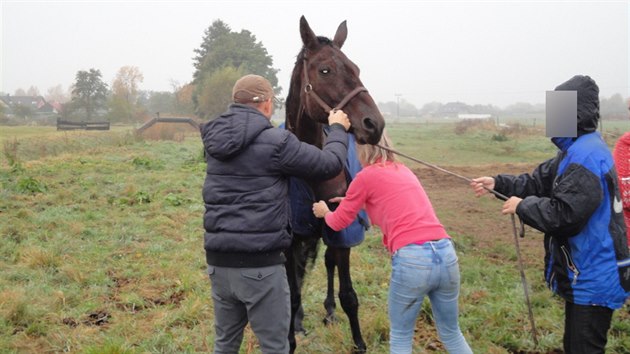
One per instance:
(340, 36)
(308, 36)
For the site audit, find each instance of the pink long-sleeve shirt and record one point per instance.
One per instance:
(621, 155)
(395, 201)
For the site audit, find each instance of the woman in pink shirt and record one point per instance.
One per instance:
(423, 258)
(621, 155)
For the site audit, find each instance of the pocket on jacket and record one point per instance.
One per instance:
(258, 273)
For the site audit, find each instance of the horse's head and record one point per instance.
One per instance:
(330, 80)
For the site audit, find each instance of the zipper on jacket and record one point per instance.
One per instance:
(551, 279)
(550, 272)
(570, 264)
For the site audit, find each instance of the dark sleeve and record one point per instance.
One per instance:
(539, 183)
(307, 161)
(576, 196)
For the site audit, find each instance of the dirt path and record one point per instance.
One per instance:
(464, 214)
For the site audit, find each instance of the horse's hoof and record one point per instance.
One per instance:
(361, 349)
(330, 319)
(301, 332)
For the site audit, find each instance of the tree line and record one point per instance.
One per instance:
(222, 57)
(612, 108)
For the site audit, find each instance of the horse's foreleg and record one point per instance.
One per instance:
(348, 297)
(329, 303)
(301, 253)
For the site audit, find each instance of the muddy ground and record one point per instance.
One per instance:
(463, 213)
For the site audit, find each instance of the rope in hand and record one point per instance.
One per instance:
(514, 230)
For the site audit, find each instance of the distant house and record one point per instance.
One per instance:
(56, 105)
(452, 109)
(36, 105)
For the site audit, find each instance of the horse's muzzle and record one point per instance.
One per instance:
(373, 130)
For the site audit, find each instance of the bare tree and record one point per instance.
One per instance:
(125, 92)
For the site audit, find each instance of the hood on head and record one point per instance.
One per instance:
(587, 102)
(230, 133)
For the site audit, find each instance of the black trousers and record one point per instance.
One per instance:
(586, 328)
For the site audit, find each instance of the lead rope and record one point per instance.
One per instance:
(514, 231)
(521, 268)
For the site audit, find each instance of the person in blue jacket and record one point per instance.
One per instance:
(574, 199)
(246, 215)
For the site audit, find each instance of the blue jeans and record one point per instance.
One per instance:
(418, 270)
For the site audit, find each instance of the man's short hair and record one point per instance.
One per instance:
(252, 89)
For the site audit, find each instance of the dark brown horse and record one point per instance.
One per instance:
(324, 78)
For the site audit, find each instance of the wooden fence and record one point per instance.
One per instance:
(72, 125)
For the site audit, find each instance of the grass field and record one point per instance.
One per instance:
(102, 248)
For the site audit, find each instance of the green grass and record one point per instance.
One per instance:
(20, 144)
(102, 252)
(438, 144)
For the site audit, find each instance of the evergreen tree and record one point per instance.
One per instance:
(221, 58)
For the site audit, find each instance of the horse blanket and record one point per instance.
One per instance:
(302, 220)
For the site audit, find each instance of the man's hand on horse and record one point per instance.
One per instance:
(338, 116)
(320, 209)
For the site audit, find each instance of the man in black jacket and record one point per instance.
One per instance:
(247, 212)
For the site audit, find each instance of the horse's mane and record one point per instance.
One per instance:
(321, 40)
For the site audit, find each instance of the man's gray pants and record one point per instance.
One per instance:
(260, 295)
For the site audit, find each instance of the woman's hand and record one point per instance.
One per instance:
(320, 209)
(335, 200)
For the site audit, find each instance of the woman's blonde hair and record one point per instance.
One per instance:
(369, 154)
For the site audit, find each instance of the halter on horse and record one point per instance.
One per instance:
(323, 77)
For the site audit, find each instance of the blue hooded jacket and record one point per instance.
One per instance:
(574, 199)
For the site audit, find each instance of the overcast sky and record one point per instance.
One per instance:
(490, 52)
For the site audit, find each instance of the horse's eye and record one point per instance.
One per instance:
(324, 71)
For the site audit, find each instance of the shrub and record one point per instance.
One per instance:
(11, 151)
(499, 137)
(465, 125)
(30, 185)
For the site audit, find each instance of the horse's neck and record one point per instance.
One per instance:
(311, 132)
(298, 121)
(334, 187)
